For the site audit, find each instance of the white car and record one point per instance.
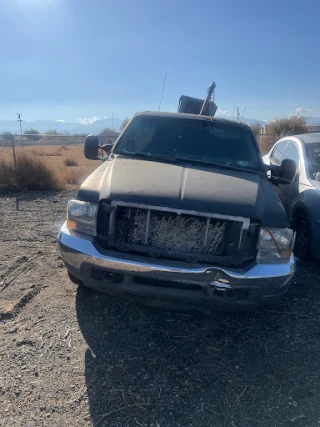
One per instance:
(301, 198)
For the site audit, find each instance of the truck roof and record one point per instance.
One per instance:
(191, 116)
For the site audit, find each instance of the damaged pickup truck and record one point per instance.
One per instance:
(181, 211)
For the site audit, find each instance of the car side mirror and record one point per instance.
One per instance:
(287, 171)
(283, 174)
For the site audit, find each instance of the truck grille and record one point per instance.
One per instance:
(176, 234)
(172, 232)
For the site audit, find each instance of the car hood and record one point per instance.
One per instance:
(200, 188)
(316, 184)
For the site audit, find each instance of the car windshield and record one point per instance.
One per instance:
(190, 140)
(314, 157)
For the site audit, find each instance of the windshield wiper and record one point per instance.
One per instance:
(149, 156)
(184, 160)
(224, 166)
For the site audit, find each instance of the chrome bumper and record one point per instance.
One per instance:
(80, 254)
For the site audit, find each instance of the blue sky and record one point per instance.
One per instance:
(71, 59)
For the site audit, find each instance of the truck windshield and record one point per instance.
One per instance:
(190, 140)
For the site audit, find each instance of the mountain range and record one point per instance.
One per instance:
(61, 126)
(97, 126)
(311, 121)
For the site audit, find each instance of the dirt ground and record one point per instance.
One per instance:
(74, 357)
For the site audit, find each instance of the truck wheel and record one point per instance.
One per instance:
(302, 246)
(75, 280)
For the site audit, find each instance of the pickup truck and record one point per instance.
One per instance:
(181, 211)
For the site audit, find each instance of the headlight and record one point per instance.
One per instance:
(82, 216)
(275, 244)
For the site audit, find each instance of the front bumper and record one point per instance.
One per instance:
(177, 282)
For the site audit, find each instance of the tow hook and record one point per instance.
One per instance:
(220, 285)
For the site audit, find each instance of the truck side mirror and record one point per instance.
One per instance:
(91, 147)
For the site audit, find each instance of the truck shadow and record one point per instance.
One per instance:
(150, 366)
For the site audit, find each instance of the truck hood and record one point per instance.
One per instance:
(200, 188)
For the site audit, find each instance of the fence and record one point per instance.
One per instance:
(45, 161)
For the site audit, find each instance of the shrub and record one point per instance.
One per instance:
(256, 128)
(70, 162)
(30, 172)
(279, 128)
(73, 177)
(7, 136)
(51, 132)
(266, 142)
(108, 132)
(6, 173)
(32, 134)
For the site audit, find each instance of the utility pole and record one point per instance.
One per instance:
(20, 120)
(112, 122)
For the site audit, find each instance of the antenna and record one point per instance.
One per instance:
(164, 84)
(20, 120)
(234, 108)
(207, 100)
(243, 113)
(238, 114)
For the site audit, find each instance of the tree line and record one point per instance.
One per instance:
(276, 129)
(34, 134)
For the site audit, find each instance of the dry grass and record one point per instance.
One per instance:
(44, 154)
(29, 173)
(73, 177)
(35, 164)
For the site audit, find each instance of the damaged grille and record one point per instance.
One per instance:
(176, 235)
(172, 232)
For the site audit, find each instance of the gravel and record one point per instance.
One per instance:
(71, 356)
